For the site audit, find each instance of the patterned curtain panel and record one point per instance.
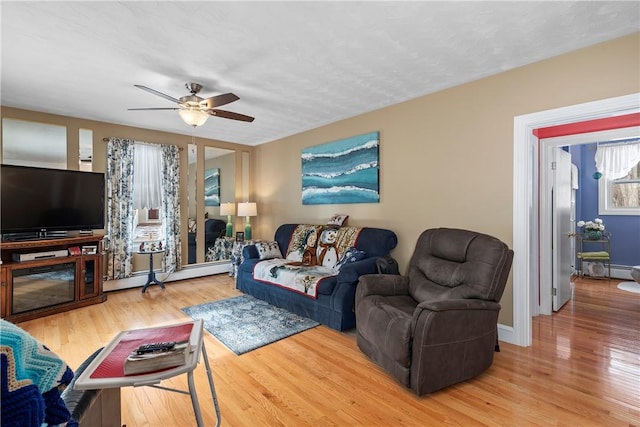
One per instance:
(171, 207)
(119, 177)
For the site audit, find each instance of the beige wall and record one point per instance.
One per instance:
(446, 159)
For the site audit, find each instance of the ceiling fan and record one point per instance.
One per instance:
(195, 110)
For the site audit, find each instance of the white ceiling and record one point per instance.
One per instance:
(294, 65)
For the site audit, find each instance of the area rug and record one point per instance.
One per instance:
(245, 323)
(629, 287)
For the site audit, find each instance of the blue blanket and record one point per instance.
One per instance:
(32, 379)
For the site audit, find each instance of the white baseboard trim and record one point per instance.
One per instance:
(505, 334)
(188, 272)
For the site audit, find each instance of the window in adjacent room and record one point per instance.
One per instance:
(619, 187)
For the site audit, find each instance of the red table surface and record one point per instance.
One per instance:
(113, 364)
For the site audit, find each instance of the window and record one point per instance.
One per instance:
(620, 196)
(147, 193)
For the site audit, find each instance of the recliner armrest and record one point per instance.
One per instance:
(459, 304)
(382, 284)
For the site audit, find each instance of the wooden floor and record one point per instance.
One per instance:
(583, 369)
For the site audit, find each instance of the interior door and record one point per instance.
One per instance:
(562, 229)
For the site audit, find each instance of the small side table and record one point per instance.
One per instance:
(106, 371)
(151, 277)
(602, 256)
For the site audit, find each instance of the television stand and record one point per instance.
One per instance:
(40, 287)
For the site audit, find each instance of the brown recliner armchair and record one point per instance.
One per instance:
(438, 325)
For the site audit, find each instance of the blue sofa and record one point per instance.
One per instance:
(334, 305)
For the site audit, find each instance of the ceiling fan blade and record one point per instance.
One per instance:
(220, 100)
(140, 109)
(230, 115)
(155, 92)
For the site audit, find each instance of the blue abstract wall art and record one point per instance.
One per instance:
(212, 187)
(343, 171)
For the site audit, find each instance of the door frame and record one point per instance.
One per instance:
(527, 230)
(548, 144)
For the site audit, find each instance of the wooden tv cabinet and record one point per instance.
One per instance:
(49, 285)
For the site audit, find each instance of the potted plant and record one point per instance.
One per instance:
(592, 229)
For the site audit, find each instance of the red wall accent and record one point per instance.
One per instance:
(596, 125)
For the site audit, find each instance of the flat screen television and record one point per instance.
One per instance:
(40, 200)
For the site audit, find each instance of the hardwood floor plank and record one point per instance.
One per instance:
(583, 368)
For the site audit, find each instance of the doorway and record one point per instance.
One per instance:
(548, 150)
(527, 235)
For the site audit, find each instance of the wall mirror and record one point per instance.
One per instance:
(28, 143)
(85, 150)
(219, 187)
(218, 171)
(192, 151)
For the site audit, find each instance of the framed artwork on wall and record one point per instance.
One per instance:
(212, 187)
(343, 171)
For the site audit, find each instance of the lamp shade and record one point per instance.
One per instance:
(193, 117)
(247, 209)
(227, 209)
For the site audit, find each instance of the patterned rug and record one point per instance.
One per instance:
(245, 323)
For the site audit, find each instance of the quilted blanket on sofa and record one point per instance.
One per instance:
(292, 275)
(321, 244)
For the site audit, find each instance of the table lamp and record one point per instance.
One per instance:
(247, 209)
(228, 209)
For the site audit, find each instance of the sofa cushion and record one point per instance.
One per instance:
(338, 220)
(351, 255)
(268, 250)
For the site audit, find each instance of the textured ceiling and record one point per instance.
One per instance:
(294, 65)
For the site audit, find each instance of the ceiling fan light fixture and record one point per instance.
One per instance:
(193, 116)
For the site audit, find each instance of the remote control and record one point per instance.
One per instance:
(155, 347)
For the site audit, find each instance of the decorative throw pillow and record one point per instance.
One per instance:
(268, 250)
(338, 220)
(350, 255)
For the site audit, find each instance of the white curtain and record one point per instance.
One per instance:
(147, 170)
(616, 160)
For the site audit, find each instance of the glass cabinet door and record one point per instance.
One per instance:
(89, 276)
